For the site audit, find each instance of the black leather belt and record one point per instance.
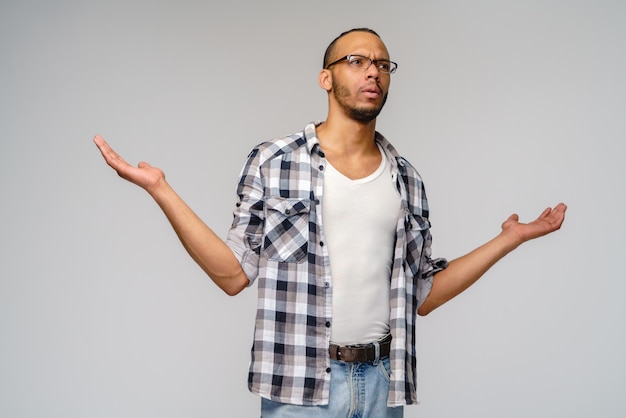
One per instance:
(360, 352)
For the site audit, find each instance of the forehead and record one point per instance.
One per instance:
(363, 43)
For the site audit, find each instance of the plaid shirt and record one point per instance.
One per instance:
(278, 237)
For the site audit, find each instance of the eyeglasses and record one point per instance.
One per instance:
(360, 62)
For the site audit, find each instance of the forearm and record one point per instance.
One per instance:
(462, 272)
(203, 245)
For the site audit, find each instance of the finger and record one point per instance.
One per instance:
(559, 211)
(555, 218)
(102, 145)
(545, 213)
(112, 158)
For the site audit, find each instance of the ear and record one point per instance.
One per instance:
(325, 80)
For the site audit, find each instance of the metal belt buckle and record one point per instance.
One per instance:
(376, 352)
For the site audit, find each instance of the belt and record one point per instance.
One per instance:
(361, 352)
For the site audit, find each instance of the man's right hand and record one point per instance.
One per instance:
(144, 175)
(203, 245)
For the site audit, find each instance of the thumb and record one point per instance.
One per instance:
(143, 164)
(511, 219)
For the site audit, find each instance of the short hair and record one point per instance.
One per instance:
(331, 47)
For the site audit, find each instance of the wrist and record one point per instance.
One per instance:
(159, 189)
(510, 240)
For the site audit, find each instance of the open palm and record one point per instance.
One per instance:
(144, 175)
(550, 220)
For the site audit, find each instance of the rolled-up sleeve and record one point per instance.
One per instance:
(428, 268)
(245, 235)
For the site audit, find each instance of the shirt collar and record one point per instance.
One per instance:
(313, 142)
(310, 134)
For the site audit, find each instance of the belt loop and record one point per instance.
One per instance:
(376, 352)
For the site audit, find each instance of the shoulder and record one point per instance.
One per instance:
(279, 147)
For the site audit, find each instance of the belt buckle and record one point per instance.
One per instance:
(376, 352)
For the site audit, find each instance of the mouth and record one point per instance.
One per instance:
(372, 91)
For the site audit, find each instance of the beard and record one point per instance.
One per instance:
(360, 114)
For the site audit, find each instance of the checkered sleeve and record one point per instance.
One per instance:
(419, 255)
(428, 268)
(245, 235)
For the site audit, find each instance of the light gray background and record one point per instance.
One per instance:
(504, 106)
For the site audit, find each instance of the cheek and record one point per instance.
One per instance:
(340, 91)
(384, 84)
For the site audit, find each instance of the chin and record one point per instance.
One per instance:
(365, 115)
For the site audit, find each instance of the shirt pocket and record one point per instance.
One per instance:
(417, 232)
(286, 232)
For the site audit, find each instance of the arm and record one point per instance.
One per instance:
(466, 270)
(202, 244)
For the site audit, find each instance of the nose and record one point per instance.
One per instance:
(372, 71)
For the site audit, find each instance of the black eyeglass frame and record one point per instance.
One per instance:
(392, 65)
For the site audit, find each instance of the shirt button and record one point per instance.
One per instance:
(287, 212)
(327, 324)
(328, 370)
(326, 284)
(321, 168)
(321, 243)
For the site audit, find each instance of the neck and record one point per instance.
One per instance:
(346, 136)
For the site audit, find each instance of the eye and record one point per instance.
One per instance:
(384, 65)
(356, 60)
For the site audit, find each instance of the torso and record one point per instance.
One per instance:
(360, 218)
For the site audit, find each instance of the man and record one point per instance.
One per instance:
(333, 225)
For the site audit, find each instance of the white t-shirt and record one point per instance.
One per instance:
(360, 218)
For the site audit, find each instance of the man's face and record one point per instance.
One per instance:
(361, 94)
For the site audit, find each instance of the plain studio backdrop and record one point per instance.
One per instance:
(503, 106)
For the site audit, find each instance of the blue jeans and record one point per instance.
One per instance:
(357, 390)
